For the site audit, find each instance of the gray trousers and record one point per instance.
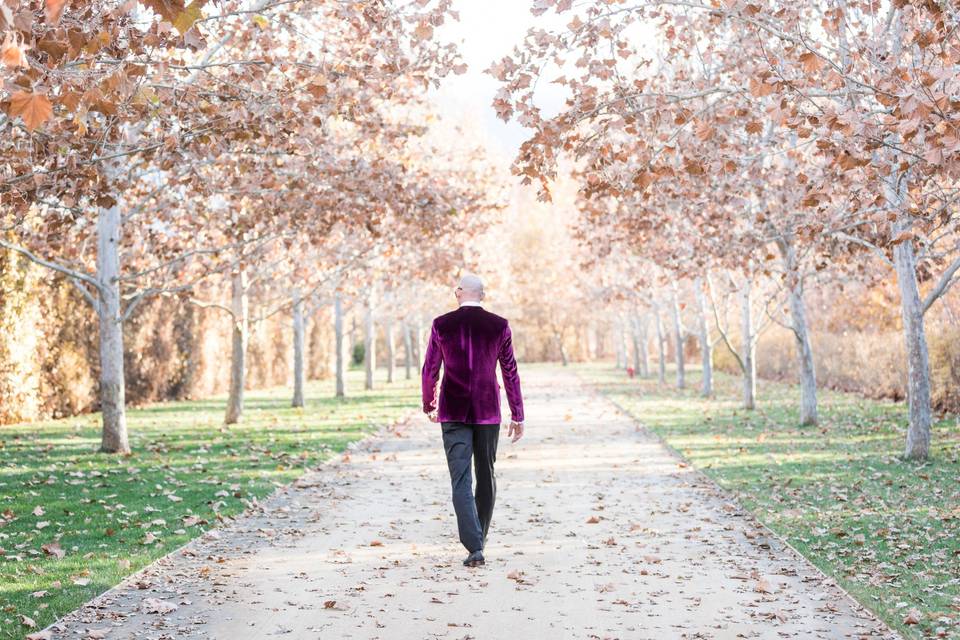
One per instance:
(461, 442)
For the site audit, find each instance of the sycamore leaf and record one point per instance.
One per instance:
(811, 62)
(186, 19)
(903, 236)
(12, 51)
(53, 9)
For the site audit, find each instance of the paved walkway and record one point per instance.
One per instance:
(598, 533)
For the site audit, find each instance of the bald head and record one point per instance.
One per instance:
(470, 288)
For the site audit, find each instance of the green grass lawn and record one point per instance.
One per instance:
(887, 530)
(109, 516)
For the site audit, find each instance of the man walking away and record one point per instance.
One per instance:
(469, 342)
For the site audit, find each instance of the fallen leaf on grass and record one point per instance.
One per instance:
(53, 549)
(81, 582)
(913, 617)
(156, 605)
(27, 621)
(38, 511)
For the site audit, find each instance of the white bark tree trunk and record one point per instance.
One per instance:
(563, 352)
(391, 349)
(407, 350)
(370, 344)
(678, 339)
(340, 365)
(801, 334)
(749, 348)
(918, 358)
(114, 438)
(642, 322)
(621, 343)
(418, 341)
(299, 357)
(661, 344)
(635, 340)
(240, 310)
(706, 346)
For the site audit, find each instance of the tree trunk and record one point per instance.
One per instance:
(418, 341)
(749, 348)
(407, 350)
(644, 354)
(369, 344)
(661, 343)
(621, 344)
(918, 359)
(635, 340)
(298, 349)
(678, 339)
(563, 353)
(391, 350)
(798, 321)
(240, 315)
(340, 365)
(706, 346)
(114, 437)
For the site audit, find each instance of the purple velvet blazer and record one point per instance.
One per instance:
(469, 342)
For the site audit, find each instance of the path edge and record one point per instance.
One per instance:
(677, 455)
(334, 460)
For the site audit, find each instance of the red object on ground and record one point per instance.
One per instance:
(630, 372)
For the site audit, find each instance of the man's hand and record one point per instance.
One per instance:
(515, 430)
(432, 416)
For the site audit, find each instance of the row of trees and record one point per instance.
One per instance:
(761, 140)
(163, 149)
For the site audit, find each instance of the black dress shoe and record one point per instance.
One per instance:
(475, 559)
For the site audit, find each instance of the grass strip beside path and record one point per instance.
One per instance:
(887, 530)
(74, 522)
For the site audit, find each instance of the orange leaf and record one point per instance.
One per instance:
(34, 108)
(11, 51)
(811, 62)
(53, 10)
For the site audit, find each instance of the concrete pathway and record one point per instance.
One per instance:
(598, 532)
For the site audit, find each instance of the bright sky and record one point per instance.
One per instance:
(487, 31)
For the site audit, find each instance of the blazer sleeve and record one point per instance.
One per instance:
(511, 377)
(430, 374)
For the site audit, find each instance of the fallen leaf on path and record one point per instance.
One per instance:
(652, 559)
(593, 520)
(333, 604)
(376, 543)
(97, 634)
(156, 605)
(763, 586)
(39, 635)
